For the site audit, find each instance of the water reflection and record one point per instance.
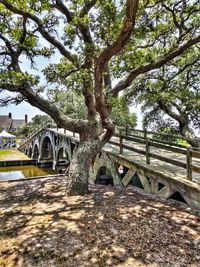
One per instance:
(20, 172)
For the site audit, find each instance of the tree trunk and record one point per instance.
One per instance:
(78, 176)
(190, 137)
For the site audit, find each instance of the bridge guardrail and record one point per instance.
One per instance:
(189, 152)
(38, 129)
(144, 134)
(192, 153)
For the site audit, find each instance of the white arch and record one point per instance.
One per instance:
(49, 136)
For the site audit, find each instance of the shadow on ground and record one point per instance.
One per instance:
(40, 226)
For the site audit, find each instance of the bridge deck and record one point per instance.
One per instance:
(158, 165)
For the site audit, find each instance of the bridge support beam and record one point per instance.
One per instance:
(152, 181)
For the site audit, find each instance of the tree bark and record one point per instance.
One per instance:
(78, 176)
(190, 137)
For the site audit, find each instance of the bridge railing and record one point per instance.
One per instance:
(189, 152)
(192, 152)
(171, 139)
(43, 126)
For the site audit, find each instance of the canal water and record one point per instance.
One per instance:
(21, 172)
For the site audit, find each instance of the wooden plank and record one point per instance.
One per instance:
(126, 130)
(141, 139)
(166, 192)
(147, 152)
(127, 178)
(167, 143)
(142, 152)
(195, 154)
(161, 134)
(144, 182)
(121, 144)
(195, 169)
(154, 185)
(168, 160)
(134, 139)
(172, 149)
(189, 164)
(114, 143)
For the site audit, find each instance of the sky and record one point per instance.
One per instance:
(19, 111)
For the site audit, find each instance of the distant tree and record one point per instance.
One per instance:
(37, 121)
(170, 96)
(121, 114)
(25, 131)
(101, 46)
(72, 104)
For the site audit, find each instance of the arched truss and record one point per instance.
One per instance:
(63, 157)
(35, 152)
(29, 152)
(47, 149)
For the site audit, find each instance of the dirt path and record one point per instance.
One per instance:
(40, 226)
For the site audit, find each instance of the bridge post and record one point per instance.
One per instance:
(73, 134)
(189, 163)
(147, 152)
(54, 165)
(126, 130)
(145, 133)
(121, 144)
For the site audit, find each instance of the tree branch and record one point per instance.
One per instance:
(121, 85)
(174, 18)
(89, 44)
(4, 53)
(105, 56)
(23, 36)
(107, 78)
(71, 57)
(64, 10)
(37, 101)
(7, 42)
(5, 101)
(169, 111)
(86, 8)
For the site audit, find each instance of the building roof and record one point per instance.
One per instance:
(5, 122)
(5, 134)
(16, 124)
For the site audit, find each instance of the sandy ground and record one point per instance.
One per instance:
(41, 226)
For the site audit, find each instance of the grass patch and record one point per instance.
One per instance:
(6, 152)
(11, 154)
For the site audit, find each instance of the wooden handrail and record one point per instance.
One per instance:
(189, 152)
(44, 126)
(145, 134)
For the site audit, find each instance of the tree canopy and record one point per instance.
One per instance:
(173, 90)
(97, 48)
(72, 104)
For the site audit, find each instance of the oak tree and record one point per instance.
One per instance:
(100, 46)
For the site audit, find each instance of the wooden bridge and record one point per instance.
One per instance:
(151, 161)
